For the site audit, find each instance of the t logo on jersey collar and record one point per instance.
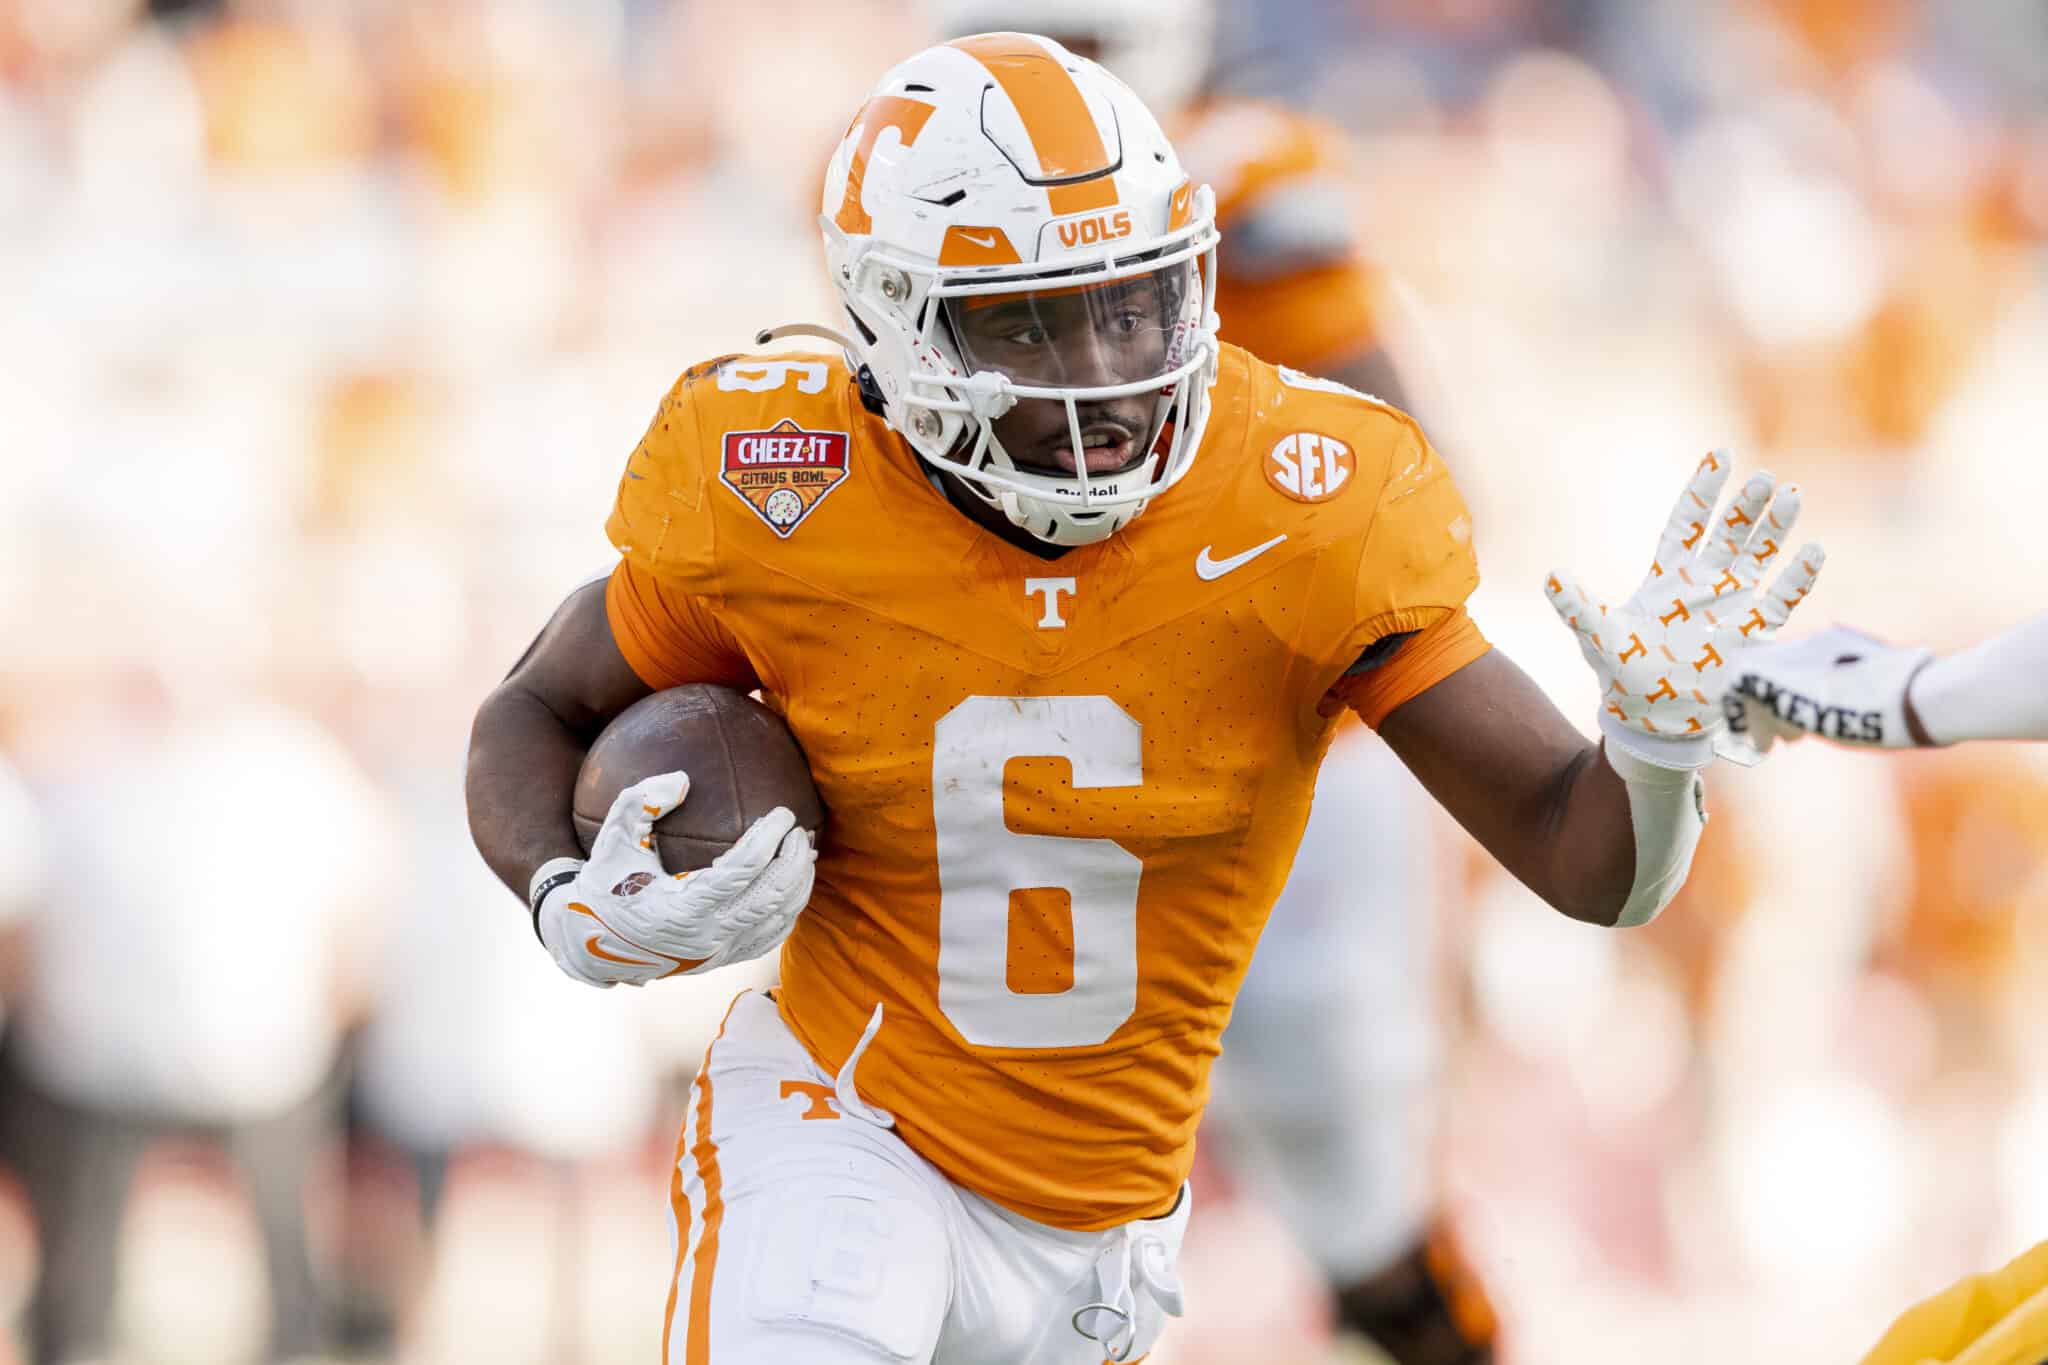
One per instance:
(1051, 588)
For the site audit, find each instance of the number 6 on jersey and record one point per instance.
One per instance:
(981, 861)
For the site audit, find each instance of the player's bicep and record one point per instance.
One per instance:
(575, 667)
(668, 636)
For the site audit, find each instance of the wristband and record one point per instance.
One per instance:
(1677, 753)
(547, 879)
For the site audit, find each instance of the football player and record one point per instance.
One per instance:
(1846, 686)
(1335, 1117)
(1061, 597)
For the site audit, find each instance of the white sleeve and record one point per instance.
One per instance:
(1997, 690)
(1667, 809)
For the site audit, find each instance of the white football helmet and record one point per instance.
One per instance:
(1160, 48)
(1006, 221)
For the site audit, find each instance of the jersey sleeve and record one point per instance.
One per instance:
(661, 598)
(1417, 662)
(668, 636)
(1416, 568)
(660, 520)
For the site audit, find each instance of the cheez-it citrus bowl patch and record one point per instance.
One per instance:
(1310, 467)
(785, 471)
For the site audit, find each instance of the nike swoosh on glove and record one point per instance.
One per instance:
(622, 917)
(1662, 656)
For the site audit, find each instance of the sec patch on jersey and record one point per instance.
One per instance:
(1309, 466)
(785, 471)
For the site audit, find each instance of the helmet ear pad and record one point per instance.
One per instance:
(892, 346)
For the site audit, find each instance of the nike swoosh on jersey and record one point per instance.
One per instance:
(1208, 570)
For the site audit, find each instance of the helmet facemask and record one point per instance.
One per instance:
(1090, 335)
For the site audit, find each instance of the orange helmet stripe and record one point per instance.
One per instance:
(1055, 116)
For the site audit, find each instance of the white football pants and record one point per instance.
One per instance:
(808, 1231)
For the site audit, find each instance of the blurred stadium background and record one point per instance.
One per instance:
(328, 323)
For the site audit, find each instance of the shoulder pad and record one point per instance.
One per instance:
(772, 430)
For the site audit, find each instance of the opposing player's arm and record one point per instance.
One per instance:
(531, 734)
(1496, 754)
(1992, 691)
(1846, 686)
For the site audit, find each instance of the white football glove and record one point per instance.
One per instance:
(1841, 685)
(620, 916)
(1662, 656)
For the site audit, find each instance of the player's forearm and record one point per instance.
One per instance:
(13, 960)
(1592, 847)
(1997, 690)
(1539, 797)
(523, 762)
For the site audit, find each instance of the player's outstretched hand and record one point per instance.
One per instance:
(1841, 684)
(620, 916)
(1662, 656)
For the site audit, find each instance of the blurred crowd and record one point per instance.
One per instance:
(328, 324)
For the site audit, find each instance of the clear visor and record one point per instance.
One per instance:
(1077, 336)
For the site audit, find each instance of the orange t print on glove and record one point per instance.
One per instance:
(1662, 655)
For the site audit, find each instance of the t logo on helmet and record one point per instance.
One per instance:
(908, 118)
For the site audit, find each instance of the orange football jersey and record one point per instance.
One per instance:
(1063, 793)
(1293, 284)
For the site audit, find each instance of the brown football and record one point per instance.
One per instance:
(742, 760)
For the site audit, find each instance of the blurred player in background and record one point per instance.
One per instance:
(1327, 1079)
(185, 987)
